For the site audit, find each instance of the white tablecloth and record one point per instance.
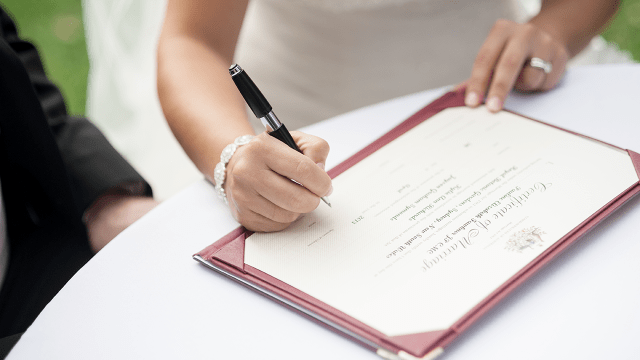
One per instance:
(143, 297)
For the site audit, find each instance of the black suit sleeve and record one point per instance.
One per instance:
(92, 163)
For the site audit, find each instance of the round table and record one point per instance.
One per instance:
(144, 297)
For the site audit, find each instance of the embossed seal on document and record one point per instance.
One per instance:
(526, 238)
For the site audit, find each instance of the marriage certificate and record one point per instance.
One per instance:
(433, 222)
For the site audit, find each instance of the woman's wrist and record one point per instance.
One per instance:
(220, 171)
(573, 23)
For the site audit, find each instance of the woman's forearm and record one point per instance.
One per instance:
(199, 100)
(201, 104)
(575, 22)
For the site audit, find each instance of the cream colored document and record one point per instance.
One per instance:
(426, 227)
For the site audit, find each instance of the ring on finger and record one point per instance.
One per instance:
(543, 65)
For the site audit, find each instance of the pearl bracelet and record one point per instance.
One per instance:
(220, 172)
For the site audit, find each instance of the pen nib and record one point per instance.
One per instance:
(326, 200)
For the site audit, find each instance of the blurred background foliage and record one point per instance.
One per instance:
(624, 30)
(55, 26)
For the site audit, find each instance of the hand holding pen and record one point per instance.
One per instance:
(258, 184)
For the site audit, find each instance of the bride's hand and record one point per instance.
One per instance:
(503, 63)
(258, 183)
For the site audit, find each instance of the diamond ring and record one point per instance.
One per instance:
(538, 63)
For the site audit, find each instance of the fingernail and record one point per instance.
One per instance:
(320, 165)
(494, 104)
(330, 191)
(472, 99)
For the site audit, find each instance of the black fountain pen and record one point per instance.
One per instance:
(263, 110)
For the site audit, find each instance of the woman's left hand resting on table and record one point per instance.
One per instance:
(560, 31)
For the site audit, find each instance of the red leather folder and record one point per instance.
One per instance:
(226, 256)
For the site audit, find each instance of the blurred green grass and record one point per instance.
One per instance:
(624, 29)
(55, 26)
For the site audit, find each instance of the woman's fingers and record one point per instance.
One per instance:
(315, 148)
(532, 78)
(536, 79)
(285, 193)
(257, 213)
(516, 51)
(257, 222)
(302, 169)
(503, 63)
(559, 64)
(485, 63)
